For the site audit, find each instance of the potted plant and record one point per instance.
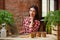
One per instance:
(52, 18)
(7, 17)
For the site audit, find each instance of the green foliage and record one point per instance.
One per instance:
(56, 17)
(53, 17)
(6, 17)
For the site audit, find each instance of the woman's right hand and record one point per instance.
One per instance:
(31, 22)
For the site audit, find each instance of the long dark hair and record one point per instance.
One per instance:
(37, 15)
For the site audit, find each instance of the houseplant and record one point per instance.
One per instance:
(48, 20)
(7, 17)
(53, 17)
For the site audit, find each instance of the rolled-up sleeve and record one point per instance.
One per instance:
(36, 25)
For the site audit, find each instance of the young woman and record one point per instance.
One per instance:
(31, 23)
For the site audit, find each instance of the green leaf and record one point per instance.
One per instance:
(52, 17)
(6, 17)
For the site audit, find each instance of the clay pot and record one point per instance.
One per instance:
(38, 34)
(43, 34)
(32, 35)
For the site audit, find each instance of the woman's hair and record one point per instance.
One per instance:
(37, 15)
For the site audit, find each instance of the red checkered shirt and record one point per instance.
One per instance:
(28, 29)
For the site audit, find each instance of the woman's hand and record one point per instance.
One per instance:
(31, 20)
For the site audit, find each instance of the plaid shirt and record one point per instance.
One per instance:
(28, 29)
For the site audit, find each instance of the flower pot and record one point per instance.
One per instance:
(38, 34)
(7, 27)
(43, 34)
(54, 29)
(32, 35)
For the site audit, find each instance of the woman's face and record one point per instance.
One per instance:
(32, 12)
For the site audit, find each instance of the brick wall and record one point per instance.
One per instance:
(58, 4)
(59, 33)
(20, 8)
(58, 7)
(1, 4)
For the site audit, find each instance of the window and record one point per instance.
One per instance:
(51, 5)
(46, 6)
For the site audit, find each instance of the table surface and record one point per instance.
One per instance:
(48, 37)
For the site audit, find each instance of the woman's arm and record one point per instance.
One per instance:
(36, 25)
(23, 29)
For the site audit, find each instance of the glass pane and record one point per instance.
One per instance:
(51, 5)
(44, 8)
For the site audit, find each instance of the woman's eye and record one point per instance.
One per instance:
(33, 11)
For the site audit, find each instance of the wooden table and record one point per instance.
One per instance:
(48, 37)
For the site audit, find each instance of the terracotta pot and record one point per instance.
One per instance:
(43, 34)
(38, 34)
(32, 35)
